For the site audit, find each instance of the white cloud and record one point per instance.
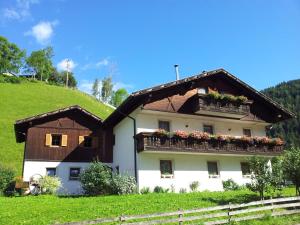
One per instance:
(20, 11)
(119, 85)
(102, 63)
(65, 65)
(85, 86)
(43, 31)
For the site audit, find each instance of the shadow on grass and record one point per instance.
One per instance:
(235, 199)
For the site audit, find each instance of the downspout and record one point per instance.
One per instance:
(134, 143)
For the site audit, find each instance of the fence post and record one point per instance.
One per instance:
(229, 210)
(272, 210)
(180, 215)
(122, 218)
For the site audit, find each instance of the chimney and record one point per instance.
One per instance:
(177, 72)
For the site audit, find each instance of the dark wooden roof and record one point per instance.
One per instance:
(22, 125)
(181, 87)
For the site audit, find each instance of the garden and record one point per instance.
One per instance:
(109, 194)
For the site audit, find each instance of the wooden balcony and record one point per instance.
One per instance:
(149, 142)
(205, 106)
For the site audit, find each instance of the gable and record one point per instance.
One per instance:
(169, 97)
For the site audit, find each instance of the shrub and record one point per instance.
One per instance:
(123, 184)
(50, 185)
(159, 189)
(230, 185)
(6, 179)
(194, 186)
(182, 190)
(145, 190)
(96, 179)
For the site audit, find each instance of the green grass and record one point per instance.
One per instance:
(51, 209)
(18, 101)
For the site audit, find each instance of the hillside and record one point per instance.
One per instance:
(287, 94)
(18, 101)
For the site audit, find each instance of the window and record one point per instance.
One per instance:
(56, 139)
(164, 125)
(166, 169)
(212, 168)
(74, 173)
(202, 91)
(51, 172)
(208, 129)
(88, 142)
(245, 167)
(247, 132)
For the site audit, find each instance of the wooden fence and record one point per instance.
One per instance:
(209, 216)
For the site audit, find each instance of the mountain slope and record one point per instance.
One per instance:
(18, 101)
(287, 94)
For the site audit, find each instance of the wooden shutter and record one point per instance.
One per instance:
(64, 140)
(48, 140)
(95, 142)
(80, 140)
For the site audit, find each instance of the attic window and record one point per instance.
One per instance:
(87, 143)
(56, 139)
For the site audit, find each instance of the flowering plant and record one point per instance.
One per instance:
(161, 133)
(196, 135)
(224, 138)
(180, 134)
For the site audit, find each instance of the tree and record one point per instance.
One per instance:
(11, 57)
(261, 175)
(107, 89)
(119, 96)
(291, 167)
(71, 79)
(95, 89)
(40, 63)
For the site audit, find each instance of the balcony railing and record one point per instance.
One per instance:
(204, 105)
(147, 141)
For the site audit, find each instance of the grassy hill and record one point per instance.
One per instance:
(287, 94)
(18, 101)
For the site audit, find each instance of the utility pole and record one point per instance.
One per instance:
(67, 80)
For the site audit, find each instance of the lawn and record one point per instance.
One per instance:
(51, 209)
(18, 101)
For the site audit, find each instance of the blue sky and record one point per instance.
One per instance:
(138, 42)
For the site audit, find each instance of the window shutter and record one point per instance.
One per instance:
(80, 140)
(48, 140)
(64, 140)
(95, 142)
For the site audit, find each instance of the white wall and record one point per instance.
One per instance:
(62, 171)
(149, 122)
(123, 150)
(188, 168)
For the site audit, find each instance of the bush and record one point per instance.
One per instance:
(96, 179)
(159, 189)
(50, 185)
(194, 186)
(123, 184)
(230, 185)
(182, 190)
(6, 179)
(145, 190)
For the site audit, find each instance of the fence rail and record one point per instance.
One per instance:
(285, 206)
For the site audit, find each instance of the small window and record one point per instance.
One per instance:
(74, 173)
(166, 169)
(245, 167)
(247, 132)
(208, 129)
(164, 125)
(212, 168)
(56, 139)
(202, 91)
(51, 172)
(88, 142)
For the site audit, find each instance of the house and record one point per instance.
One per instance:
(218, 121)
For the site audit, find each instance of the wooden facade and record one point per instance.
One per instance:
(73, 125)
